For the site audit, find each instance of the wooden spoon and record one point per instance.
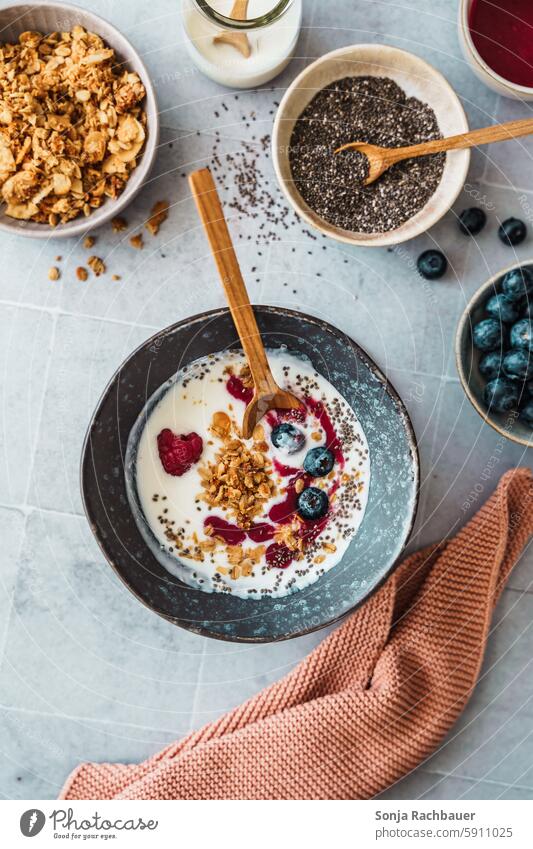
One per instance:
(381, 158)
(236, 39)
(267, 393)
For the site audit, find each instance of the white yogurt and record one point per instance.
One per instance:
(174, 508)
(272, 46)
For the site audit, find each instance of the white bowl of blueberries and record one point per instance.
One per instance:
(494, 352)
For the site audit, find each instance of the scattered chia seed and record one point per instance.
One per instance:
(374, 110)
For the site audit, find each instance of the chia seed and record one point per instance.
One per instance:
(374, 110)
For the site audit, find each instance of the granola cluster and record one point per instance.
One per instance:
(240, 480)
(71, 125)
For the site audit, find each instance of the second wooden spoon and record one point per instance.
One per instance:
(381, 158)
(267, 394)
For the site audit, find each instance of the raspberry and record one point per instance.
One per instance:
(178, 453)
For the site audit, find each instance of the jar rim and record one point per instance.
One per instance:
(278, 9)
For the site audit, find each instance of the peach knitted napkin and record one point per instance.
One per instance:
(371, 702)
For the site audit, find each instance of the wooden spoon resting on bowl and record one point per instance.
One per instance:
(239, 40)
(381, 158)
(267, 394)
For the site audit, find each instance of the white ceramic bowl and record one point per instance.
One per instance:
(480, 68)
(51, 17)
(417, 79)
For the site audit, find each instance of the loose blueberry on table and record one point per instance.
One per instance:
(472, 221)
(512, 231)
(432, 264)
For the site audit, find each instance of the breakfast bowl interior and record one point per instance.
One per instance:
(111, 498)
(61, 17)
(508, 424)
(417, 79)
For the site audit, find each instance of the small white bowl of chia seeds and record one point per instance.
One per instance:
(381, 95)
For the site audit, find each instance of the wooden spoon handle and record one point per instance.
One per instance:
(210, 211)
(498, 132)
(239, 10)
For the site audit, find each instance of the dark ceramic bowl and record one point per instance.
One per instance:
(393, 491)
(467, 361)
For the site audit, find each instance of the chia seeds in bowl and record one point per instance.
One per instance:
(374, 110)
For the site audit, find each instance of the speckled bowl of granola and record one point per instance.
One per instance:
(135, 526)
(78, 145)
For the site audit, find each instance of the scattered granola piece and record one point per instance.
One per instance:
(81, 273)
(116, 277)
(89, 241)
(158, 216)
(53, 273)
(119, 224)
(137, 242)
(59, 258)
(97, 265)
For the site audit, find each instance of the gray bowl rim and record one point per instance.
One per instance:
(80, 225)
(463, 328)
(86, 455)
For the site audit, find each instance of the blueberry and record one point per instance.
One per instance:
(522, 334)
(490, 365)
(517, 284)
(487, 335)
(518, 364)
(512, 231)
(528, 310)
(501, 395)
(432, 264)
(313, 503)
(319, 462)
(500, 307)
(526, 413)
(287, 438)
(472, 221)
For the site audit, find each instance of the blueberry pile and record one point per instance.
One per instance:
(432, 264)
(505, 338)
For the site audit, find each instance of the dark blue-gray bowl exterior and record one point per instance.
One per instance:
(393, 491)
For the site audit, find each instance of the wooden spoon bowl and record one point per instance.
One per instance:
(380, 159)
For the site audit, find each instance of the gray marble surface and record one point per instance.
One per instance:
(85, 671)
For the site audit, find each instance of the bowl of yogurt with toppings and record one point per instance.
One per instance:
(257, 518)
(261, 539)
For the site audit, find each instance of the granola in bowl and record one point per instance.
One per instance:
(255, 518)
(72, 125)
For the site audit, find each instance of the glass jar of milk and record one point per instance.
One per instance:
(241, 44)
